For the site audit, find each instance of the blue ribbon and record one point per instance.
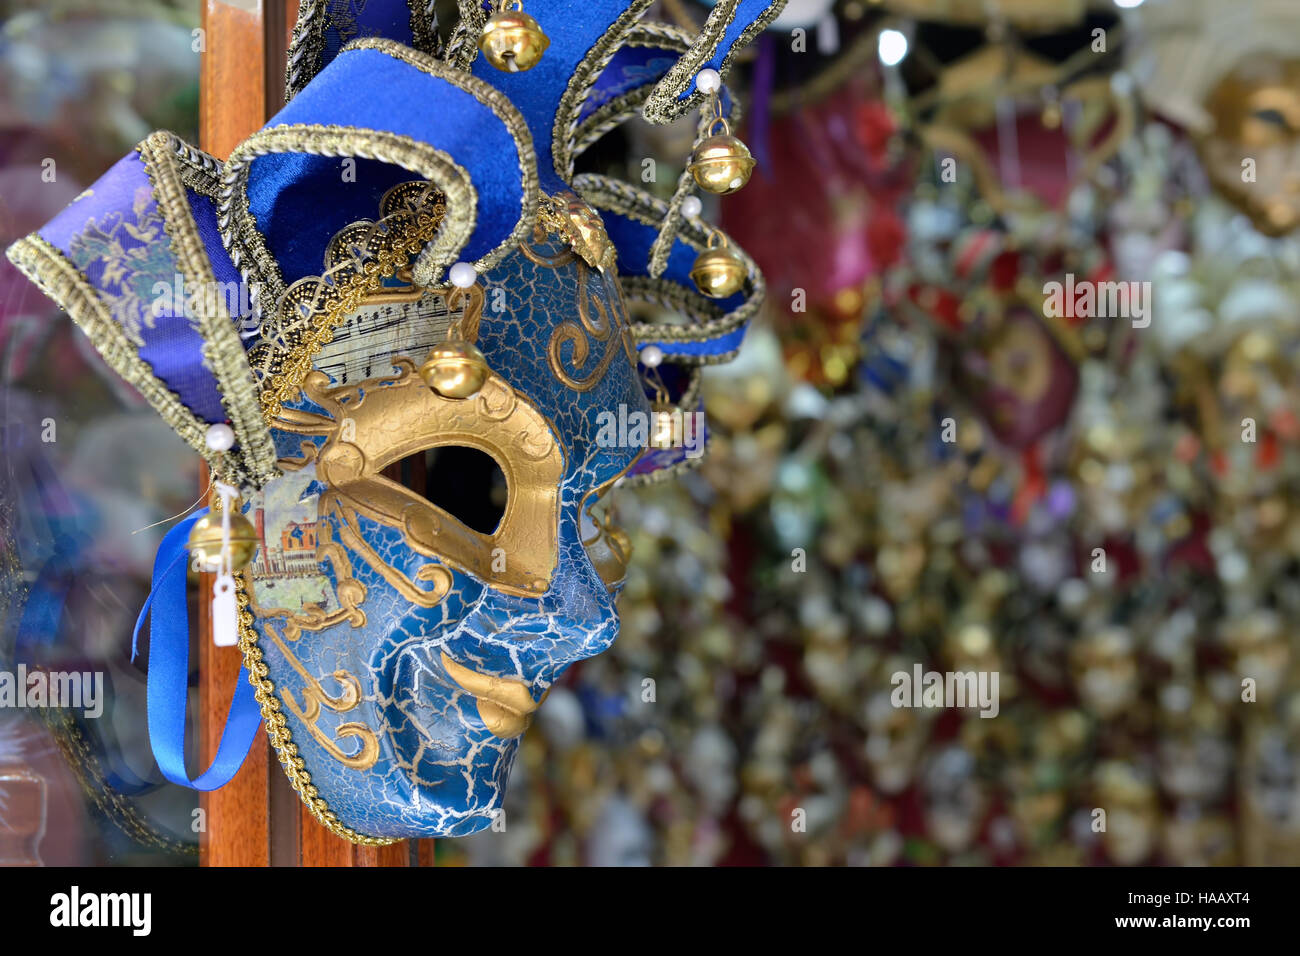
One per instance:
(169, 666)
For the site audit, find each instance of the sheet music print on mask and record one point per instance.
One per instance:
(364, 345)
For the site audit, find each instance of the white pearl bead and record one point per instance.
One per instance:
(462, 275)
(692, 207)
(708, 80)
(220, 437)
(652, 356)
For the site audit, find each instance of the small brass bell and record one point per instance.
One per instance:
(455, 369)
(719, 272)
(662, 431)
(721, 163)
(512, 41)
(205, 541)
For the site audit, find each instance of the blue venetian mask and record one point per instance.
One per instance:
(463, 568)
(422, 460)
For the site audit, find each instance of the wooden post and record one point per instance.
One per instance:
(256, 819)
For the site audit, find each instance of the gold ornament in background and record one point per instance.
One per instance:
(721, 163)
(971, 92)
(455, 369)
(205, 541)
(512, 40)
(719, 271)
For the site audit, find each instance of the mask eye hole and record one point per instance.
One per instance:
(465, 482)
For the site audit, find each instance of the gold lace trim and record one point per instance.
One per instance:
(664, 104)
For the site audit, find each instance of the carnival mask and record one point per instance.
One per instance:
(438, 382)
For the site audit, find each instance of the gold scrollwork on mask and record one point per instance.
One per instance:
(434, 574)
(315, 697)
(595, 323)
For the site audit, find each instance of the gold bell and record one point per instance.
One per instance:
(455, 369)
(721, 163)
(663, 434)
(719, 272)
(512, 41)
(205, 541)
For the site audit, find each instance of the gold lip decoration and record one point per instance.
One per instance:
(506, 706)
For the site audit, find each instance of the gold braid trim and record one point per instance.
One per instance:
(462, 48)
(59, 279)
(424, 26)
(277, 727)
(585, 74)
(245, 242)
(664, 104)
(306, 47)
(284, 367)
(608, 116)
(223, 351)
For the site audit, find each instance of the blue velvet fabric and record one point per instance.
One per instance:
(633, 240)
(204, 211)
(537, 92)
(632, 67)
(370, 90)
(114, 233)
(285, 192)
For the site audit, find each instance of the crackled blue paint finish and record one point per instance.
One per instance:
(440, 771)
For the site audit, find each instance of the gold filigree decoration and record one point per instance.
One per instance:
(595, 323)
(314, 307)
(566, 214)
(277, 727)
(315, 697)
(434, 574)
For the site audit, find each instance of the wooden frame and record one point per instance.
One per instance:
(256, 819)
